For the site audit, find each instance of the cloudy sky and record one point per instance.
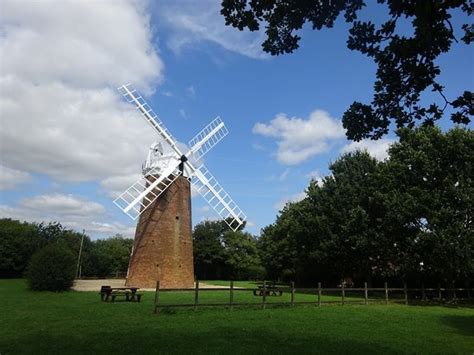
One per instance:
(69, 144)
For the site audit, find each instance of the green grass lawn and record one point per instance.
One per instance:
(77, 322)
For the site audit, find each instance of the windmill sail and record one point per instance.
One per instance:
(217, 198)
(208, 138)
(146, 190)
(134, 97)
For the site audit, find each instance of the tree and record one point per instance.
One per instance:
(348, 214)
(208, 249)
(334, 232)
(111, 255)
(18, 241)
(52, 268)
(429, 194)
(220, 253)
(406, 64)
(241, 256)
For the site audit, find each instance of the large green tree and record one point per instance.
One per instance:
(429, 194)
(208, 250)
(18, 242)
(407, 60)
(334, 232)
(109, 256)
(220, 253)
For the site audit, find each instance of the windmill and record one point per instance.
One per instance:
(161, 200)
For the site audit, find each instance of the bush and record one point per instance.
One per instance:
(52, 268)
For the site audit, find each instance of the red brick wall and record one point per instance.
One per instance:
(163, 248)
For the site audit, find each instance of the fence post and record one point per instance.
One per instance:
(292, 293)
(468, 284)
(157, 296)
(264, 295)
(423, 295)
(231, 295)
(440, 297)
(386, 293)
(196, 295)
(366, 294)
(343, 292)
(319, 294)
(405, 291)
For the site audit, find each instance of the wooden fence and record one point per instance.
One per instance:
(386, 295)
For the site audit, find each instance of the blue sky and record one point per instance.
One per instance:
(69, 143)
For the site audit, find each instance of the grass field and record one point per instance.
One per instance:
(77, 322)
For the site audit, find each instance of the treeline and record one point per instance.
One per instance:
(409, 217)
(99, 258)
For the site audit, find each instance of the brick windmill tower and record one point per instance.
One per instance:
(161, 200)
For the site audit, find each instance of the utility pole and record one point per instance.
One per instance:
(80, 252)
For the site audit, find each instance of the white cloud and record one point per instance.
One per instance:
(194, 22)
(10, 178)
(42, 41)
(194, 192)
(60, 112)
(257, 146)
(109, 229)
(300, 139)
(289, 199)
(210, 218)
(72, 211)
(115, 185)
(204, 209)
(284, 175)
(191, 91)
(316, 176)
(183, 113)
(59, 205)
(378, 149)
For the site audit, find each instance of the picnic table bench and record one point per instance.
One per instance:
(269, 290)
(110, 294)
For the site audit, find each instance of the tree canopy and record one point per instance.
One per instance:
(20, 240)
(409, 216)
(222, 253)
(406, 63)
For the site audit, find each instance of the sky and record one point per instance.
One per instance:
(69, 144)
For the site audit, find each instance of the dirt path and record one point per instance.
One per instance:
(94, 285)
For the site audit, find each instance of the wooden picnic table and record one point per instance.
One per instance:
(268, 290)
(130, 294)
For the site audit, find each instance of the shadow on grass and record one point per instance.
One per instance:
(444, 304)
(230, 340)
(463, 324)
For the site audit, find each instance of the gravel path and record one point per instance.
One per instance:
(94, 285)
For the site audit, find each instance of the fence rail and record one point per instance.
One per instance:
(317, 292)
